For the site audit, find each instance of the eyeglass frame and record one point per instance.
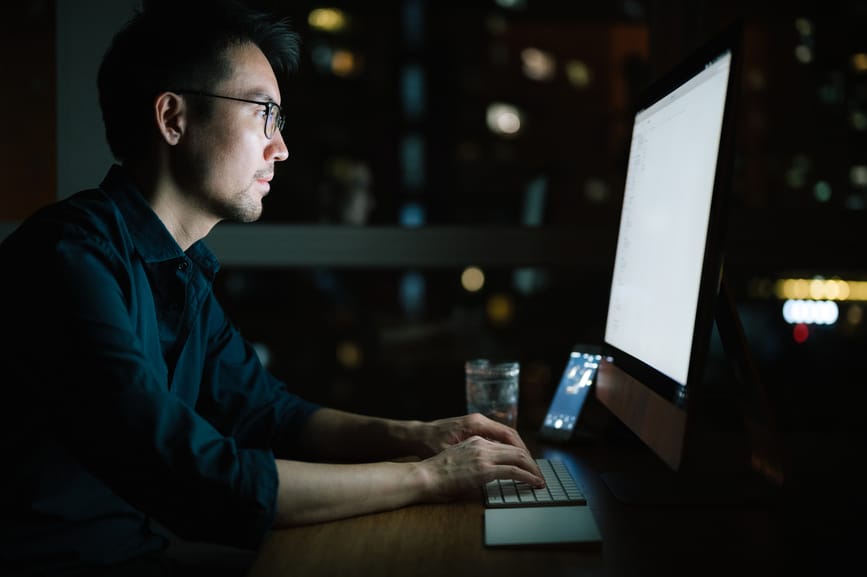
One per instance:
(279, 120)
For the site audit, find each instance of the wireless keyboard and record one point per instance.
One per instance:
(561, 489)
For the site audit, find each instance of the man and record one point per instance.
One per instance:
(129, 396)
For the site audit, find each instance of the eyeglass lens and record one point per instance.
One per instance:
(275, 119)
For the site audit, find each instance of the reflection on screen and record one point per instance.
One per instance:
(663, 228)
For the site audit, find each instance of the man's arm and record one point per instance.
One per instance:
(317, 492)
(332, 435)
(336, 435)
(466, 453)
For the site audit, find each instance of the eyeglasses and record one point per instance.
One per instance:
(274, 116)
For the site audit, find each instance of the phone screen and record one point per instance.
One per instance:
(572, 393)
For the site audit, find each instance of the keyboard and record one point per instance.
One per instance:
(561, 489)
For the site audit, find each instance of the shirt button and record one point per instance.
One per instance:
(182, 265)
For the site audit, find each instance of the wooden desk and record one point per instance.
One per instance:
(415, 541)
(448, 540)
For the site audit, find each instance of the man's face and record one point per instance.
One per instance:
(226, 162)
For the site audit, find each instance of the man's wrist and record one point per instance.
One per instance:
(410, 437)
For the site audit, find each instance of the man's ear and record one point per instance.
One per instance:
(171, 116)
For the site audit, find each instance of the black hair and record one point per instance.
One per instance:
(170, 45)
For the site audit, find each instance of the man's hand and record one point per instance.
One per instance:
(463, 453)
(436, 436)
(467, 465)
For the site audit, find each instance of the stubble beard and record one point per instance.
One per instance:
(245, 206)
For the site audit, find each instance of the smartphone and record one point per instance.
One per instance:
(572, 393)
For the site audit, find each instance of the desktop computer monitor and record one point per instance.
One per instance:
(667, 273)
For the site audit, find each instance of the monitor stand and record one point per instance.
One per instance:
(649, 485)
(744, 469)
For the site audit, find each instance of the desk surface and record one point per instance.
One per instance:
(637, 539)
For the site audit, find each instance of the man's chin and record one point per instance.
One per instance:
(249, 217)
(250, 211)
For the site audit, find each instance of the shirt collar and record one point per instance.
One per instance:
(152, 239)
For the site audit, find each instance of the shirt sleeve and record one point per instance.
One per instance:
(110, 406)
(241, 397)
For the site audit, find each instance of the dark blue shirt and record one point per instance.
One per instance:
(127, 393)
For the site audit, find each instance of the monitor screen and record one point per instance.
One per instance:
(668, 259)
(663, 225)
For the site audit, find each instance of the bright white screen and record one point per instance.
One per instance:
(663, 228)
